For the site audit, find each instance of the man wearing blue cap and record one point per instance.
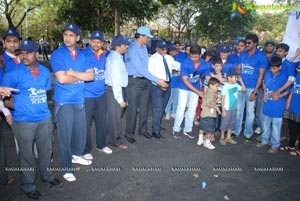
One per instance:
(138, 89)
(71, 69)
(32, 118)
(160, 65)
(116, 79)
(95, 98)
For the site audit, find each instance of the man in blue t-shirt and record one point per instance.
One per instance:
(95, 98)
(71, 69)
(251, 66)
(32, 118)
(192, 68)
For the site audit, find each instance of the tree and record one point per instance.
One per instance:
(15, 11)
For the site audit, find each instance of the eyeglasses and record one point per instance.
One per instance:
(248, 42)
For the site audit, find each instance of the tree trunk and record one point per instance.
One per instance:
(117, 21)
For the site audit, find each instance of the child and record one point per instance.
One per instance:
(293, 106)
(273, 109)
(229, 105)
(209, 113)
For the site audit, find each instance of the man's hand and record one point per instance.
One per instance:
(6, 91)
(122, 104)
(162, 84)
(223, 113)
(274, 96)
(9, 119)
(252, 96)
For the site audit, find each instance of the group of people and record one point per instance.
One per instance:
(93, 85)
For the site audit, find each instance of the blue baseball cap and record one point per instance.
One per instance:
(161, 44)
(72, 27)
(223, 48)
(119, 40)
(28, 46)
(11, 32)
(97, 35)
(144, 31)
(171, 47)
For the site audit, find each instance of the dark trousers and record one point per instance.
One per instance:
(71, 131)
(114, 114)
(159, 100)
(3, 164)
(138, 95)
(294, 130)
(96, 109)
(28, 133)
(45, 53)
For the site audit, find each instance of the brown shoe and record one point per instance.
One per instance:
(273, 150)
(122, 146)
(260, 145)
(176, 134)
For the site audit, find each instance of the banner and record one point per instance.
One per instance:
(292, 33)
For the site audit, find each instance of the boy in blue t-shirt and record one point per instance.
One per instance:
(273, 109)
(229, 105)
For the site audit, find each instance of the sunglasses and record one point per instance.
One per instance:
(248, 43)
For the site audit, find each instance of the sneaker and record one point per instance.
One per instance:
(248, 138)
(189, 134)
(209, 145)
(176, 134)
(231, 141)
(80, 160)
(273, 150)
(260, 145)
(234, 135)
(222, 141)
(200, 142)
(88, 156)
(69, 177)
(257, 130)
(106, 150)
(167, 117)
(173, 115)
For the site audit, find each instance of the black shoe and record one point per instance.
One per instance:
(56, 182)
(34, 194)
(147, 135)
(156, 135)
(130, 139)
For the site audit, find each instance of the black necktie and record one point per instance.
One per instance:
(168, 75)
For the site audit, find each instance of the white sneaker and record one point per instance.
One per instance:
(200, 142)
(69, 177)
(106, 150)
(257, 130)
(167, 117)
(88, 156)
(173, 115)
(80, 160)
(208, 145)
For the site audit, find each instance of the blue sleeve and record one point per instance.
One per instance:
(57, 63)
(263, 62)
(184, 68)
(8, 80)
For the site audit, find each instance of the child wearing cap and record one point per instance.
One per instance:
(32, 117)
(273, 109)
(229, 105)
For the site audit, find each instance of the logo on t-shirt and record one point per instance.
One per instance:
(296, 89)
(98, 74)
(37, 96)
(247, 70)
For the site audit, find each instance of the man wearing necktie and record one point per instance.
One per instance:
(160, 65)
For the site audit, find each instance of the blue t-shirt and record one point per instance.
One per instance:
(251, 64)
(96, 88)
(274, 108)
(62, 60)
(30, 102)
(10, 63)
(288, 68)
(295, 101)
(194, 76)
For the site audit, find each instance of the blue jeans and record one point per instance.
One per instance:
(190, 98)
(244, 100)
(271, 129)
(173, 102)
(258, 108)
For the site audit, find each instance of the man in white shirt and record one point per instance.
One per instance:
(160, 65)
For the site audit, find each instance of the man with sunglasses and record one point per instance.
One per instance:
(138, 89)
(251, 66)
(160, 65)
